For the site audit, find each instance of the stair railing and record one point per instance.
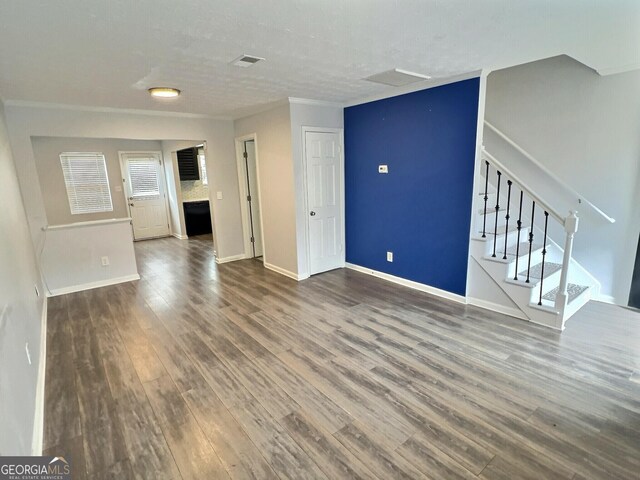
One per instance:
(569, 222)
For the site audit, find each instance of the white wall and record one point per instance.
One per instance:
(25, 121)
(72, 256)
(277, 190)
(21, 313)
(46, 151)
(585, 128)
(306, 114)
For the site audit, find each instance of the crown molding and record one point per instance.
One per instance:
(317, 103)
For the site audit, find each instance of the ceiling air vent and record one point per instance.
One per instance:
(397, 77)
(245, 61)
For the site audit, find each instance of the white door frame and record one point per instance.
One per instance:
(242, 189)
(340, 132)
(123, 175)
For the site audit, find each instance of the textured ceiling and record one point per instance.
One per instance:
(106, 53)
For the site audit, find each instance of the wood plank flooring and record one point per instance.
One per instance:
(231, 371)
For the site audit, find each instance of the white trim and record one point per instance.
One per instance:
(232, 258)
(317, 103)
(282, 271)
(91, 285)
(409, 283)
(496, 307)
(87, 224)
(340, 133)
(179, 236)
(132, 111)
(477, 166)
(38, 420)
(414, 87)
(242, 192)
(604, 299)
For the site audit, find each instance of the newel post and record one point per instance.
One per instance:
(570, 228)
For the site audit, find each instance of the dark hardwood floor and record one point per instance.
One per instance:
(232, 371)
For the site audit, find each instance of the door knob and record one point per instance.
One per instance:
(312, 214)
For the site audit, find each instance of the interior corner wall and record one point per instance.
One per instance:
(24, 122)
(421, 209)
(585, 129)
(276, 181)
(307, 115)
(21, 313)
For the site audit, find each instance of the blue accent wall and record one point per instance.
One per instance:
(421, 209)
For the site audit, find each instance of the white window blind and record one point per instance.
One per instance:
(143, 177)
(203, 169)
(85, 175)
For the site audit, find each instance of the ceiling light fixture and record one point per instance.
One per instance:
(164, 92)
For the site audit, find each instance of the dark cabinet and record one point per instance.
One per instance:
(197, 218)
(188, 164)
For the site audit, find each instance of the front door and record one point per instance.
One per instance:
(324, 201)
(145, 189)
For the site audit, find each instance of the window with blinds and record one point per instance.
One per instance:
(143, 177)
(85, 176)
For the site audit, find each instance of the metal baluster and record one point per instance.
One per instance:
(506, 227)
(533, 211)
(544, 252)
(486, 197)
(495, 228)
(519, 228)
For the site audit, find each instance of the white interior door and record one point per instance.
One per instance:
(252, 196)
(324, 201)
(145, 190)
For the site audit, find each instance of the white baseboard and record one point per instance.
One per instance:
(281, 271)
(88, 286)
(233, 258)
(409, 283)
(38, 420)
(496, 307)
(605, 299)
(179, 237)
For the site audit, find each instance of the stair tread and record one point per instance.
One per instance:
(523, 251)
(501, 230)
(536, 270)
(573, 290)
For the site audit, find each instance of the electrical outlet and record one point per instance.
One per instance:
(383, 169)
(219, 195)
(105, 261)
(389, 256)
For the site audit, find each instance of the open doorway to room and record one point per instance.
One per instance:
(249, 187)
(634, 294)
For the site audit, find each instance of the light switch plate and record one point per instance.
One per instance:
(383, 169)
(389, 256)
(219, 195)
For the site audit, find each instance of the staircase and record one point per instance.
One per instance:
(512, 241)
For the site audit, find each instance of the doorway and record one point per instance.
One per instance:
(634, 294)
(145, 192)
(324, 167)
(250, 196)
